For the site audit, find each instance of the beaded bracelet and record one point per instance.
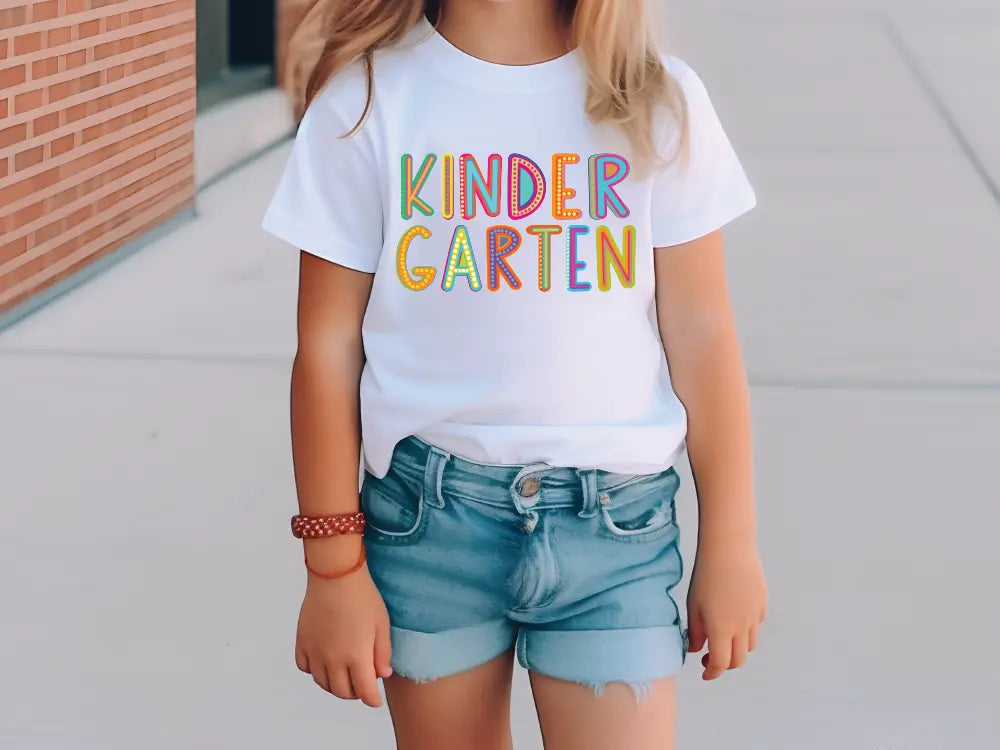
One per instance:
(310, 527)
(314, 527)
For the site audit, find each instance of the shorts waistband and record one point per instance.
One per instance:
(524, 487)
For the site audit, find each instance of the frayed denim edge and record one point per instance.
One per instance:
(413, 678)
(423, 679)
(640, 689)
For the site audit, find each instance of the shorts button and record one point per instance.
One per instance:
(529, 487)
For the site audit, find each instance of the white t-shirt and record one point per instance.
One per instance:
(512, 314)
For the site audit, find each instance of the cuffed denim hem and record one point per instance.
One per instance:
(422, 657)
(634, 656)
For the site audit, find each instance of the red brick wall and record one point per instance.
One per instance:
(97, 104)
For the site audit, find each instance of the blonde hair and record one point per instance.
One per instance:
(628, 82)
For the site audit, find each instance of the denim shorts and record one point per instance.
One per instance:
(571, 567)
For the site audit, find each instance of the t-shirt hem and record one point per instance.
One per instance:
(379, 466)
(306, 238)
(705, 223)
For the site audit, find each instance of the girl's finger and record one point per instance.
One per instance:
(320, 676)
(752, 640)
(365, 684)
(720, 652)
(383, 652)
(340, 683)
(696, 631)
(301, 660)
(740, 648)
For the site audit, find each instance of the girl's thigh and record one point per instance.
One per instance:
(466, 710)
(573, 717)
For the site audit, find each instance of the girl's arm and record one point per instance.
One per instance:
(325, 401)
(726, 601)
(343, 632)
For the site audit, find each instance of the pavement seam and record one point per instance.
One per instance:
(245, 161)
(243, 359)
(853, 16)
(41, 299)
(864, 384)
(936, 100)
(755, 381)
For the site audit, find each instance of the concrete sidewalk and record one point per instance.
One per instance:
(150, 589)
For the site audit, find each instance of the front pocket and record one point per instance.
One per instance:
(641, 511)
(394, 512)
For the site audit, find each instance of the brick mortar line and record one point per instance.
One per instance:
(164, 45)
(99, 143)
(115, 161)
(178, 199)
(111, 88)
(94, 221)
(124, 32)
(104, 191)
(72, 19)
(171, 89)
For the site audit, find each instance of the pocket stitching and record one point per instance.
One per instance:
(638, 534)
(635, 479)
(669, 509)
(397, 536)
(626, 483)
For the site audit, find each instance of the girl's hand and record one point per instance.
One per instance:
(343, 636)
(726, 605)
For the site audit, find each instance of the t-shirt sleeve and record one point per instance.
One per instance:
(328, 200)
(706, 189)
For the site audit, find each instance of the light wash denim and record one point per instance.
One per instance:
(572, 567)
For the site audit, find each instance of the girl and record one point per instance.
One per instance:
(510, 216)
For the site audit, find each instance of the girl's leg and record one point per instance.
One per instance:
(467, 710)
(573, 717)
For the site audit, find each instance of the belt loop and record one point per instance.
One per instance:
(433, 475)
(588, 478)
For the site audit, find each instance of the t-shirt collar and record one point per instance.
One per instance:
(480, 73)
